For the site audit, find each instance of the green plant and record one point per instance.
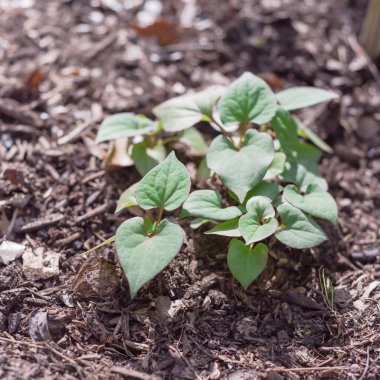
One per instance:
(267, 184)
(149, 141)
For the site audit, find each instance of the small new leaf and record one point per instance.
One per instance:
(166, 186)
(248, 99)
(127, 198)
(246, 263)
(229, 228)
(124, 125)
(241, 170)
(300, 97)
(298, 229)
(276, 167)
(207, 204)
(259, 222)
(315, 201)
(142, 256)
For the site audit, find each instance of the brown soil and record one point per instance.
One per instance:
(67, 64)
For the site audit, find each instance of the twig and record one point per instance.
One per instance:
(356, 47)
(38, 224)
(366, 366)
(92, 213)
(74, 134)
(307, 369)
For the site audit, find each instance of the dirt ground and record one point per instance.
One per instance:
(64, 66)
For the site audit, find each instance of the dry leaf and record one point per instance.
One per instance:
(34, 80)
(165, 31)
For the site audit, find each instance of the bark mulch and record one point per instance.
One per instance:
(65, 65)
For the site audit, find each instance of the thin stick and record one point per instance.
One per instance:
(366, 366)
(307, 369)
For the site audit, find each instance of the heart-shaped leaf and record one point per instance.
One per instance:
(142, 256)
(315, 201)
(259, 222)
(147, 158)
(298, 229)
(241, 169)
(184, 111)
(166, 186)
(229, 228)
(300, 97)
(207, 204)
(247, 99)
(127, 198)
(124, 125)
(276, 167)
(195, 141)
(246, 263)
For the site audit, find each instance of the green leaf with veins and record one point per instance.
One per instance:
(127, 198)
(241, 169)
(142, 257)
(286, 129)
(124, 125)
(298, 230)
(247, 99)
(195, 141)
(301, 97)
(315, 201)
(276, 167)
(184, 111)
(147, 158)
(207, 204)
(259, 222)
(166, 186)
(265, 189)
(246, 263)
(229, 228)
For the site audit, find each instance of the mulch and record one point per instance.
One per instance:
(65, 65)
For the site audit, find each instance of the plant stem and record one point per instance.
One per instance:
(242, 130)
(224, 132)
(161, 212)
(108, 241)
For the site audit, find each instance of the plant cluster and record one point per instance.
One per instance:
(267, 184)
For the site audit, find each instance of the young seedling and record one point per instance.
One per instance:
(146, 245)
(260, 159)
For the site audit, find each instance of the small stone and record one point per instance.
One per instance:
(39, 264)
(10, 251)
